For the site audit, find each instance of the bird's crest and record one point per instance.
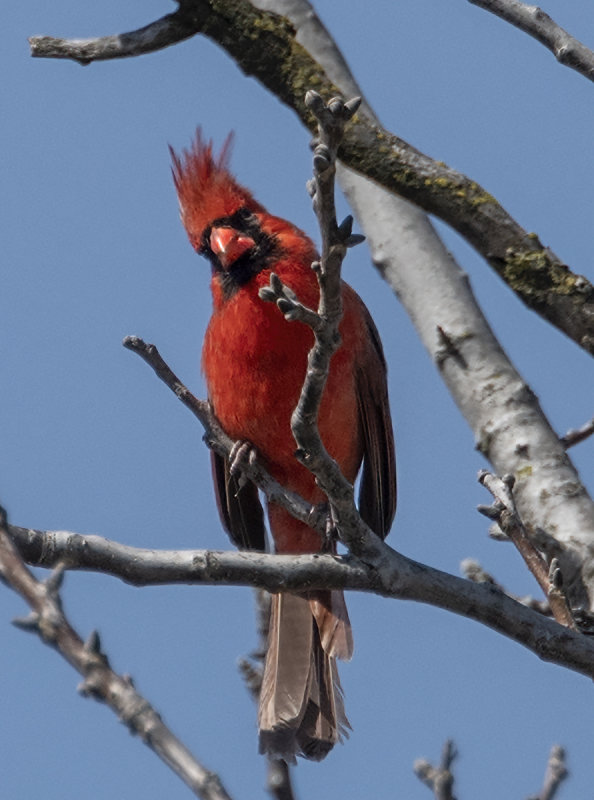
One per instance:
(207, 191)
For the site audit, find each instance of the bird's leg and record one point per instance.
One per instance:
(331, 532)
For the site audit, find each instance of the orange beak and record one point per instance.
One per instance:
(228, 245)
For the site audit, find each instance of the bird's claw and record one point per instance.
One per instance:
(242, 454)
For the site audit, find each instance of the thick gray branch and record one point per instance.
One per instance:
(536, 23)
(387, 573)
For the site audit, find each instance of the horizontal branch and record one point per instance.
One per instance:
(164, 32)
(264, 45)
(391, 575)
(536, 23)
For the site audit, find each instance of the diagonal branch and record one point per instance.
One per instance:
(505, 513)
(577, 435)
(536, 23)
(217, 440)
(100, 682)
(264, 45)
(555, 774)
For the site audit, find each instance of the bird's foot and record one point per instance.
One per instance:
(242, 453)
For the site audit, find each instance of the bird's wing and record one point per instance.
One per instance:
(377, 493)
(239, 506)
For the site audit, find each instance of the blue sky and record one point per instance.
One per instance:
(93, 250)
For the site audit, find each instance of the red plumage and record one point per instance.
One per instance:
(254, 362)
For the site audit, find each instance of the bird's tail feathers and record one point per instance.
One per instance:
(301, 700)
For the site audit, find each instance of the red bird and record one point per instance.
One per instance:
(254, 362)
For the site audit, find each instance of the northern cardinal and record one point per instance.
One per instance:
(254, 362)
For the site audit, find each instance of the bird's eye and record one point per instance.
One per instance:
(244, 215)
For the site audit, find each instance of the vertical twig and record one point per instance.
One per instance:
(505, 513)
(439, 779)
(278, 779)
(555, 774)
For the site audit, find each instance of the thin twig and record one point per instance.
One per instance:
(439, 779)
(278, 781)
(504, 511)
(555, 774)
(164, 32)
(472, 570)
(217, 440)
(536, 23)
(100, 682)
(278, 778)
(575, 436)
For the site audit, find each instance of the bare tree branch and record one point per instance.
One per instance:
(100, 682)
(472, 570)
(388, 573)
(505, 513)
(555, 774)
(536, 23)
(164, 32)
(439, 779)
(573, 437)
(216, 438)
(264, 46)
(278, 779)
